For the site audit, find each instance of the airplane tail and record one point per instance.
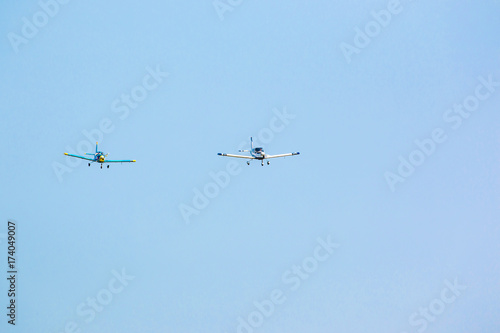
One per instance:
(96, 144)
(251, 146)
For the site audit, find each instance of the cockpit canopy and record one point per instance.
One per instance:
(259, 150)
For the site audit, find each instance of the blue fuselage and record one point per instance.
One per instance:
(99, 157)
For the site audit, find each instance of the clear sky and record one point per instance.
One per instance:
(388, 221)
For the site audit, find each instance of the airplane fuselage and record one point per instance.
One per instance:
(258, 153)
(99, 157)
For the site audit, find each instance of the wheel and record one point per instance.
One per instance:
(248, 162)
(108, 166)
(262, 163)
(268, 162)
(101, 166)
(89, 164)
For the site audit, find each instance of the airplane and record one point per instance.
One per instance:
(99, 157)
(257, 153)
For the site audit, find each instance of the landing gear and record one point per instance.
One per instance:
(107, 166)
(262, 163)
(89, 164)
(101, 166)
(248, 162)
(268, 162)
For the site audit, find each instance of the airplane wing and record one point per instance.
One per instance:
(238, 156)
(118, 161)
(282, 155)
(77, 156)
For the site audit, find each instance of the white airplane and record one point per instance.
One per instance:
(257, 153)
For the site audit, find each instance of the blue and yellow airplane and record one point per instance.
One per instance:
(99, 157)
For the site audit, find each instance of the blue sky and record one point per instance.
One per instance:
(111, 250)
